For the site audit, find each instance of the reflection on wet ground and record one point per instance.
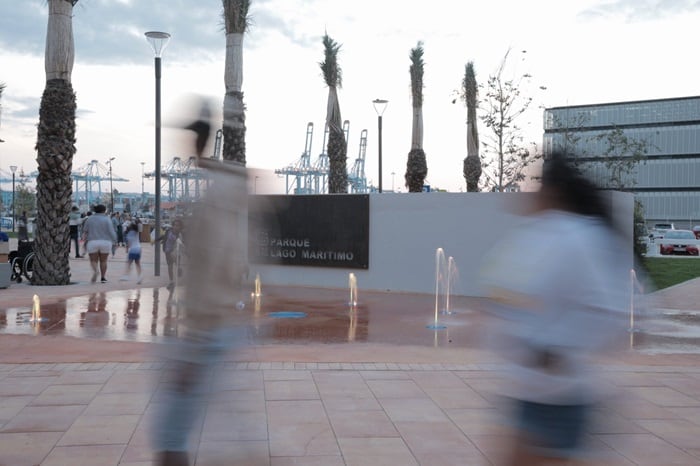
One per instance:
(306, 315)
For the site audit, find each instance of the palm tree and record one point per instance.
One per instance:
(337, 146)
(55, 147)
(472, 163)
(416, 167)
(236, 20)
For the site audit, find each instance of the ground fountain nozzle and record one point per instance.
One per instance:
(352, 284)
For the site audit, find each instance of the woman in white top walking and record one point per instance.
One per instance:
(99, 235)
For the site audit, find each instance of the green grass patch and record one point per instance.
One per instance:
(665, 272)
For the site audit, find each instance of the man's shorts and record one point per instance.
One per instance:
(101, 246)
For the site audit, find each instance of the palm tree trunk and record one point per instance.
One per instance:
(337, 146)
(234, 108)
(55, 150)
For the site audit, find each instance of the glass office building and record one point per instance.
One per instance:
(667, 179)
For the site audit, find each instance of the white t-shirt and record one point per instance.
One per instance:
(559, 288)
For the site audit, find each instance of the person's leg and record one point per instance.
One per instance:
(138, 270)
(170, 259)
(77, 246)
(103, 265)
(94, 257)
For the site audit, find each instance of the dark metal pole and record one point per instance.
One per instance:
(14, 215)
(380, 153)
(156, 269)
(111, 190)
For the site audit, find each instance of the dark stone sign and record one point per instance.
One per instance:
(316, 230)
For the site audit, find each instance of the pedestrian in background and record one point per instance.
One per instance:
(22, 227)
(133, 247)
(100, 238)
(74, 221)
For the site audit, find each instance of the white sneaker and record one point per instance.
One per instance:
(138, 281)
(124, 278)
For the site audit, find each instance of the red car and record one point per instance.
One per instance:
(675, 248)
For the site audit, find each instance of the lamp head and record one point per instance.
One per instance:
(380, 106)
(13, 168)
(158, 40)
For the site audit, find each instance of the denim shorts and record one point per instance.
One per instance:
(553, 428)
(135, 256)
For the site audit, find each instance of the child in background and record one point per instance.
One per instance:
(133, 247)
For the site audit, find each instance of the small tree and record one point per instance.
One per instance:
(337, 146)
(416, 166)
(620, 155)
(506, 156)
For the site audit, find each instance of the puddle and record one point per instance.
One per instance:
(305, 315)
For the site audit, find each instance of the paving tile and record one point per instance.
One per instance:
(44, 419)
(395, 389)
(351, 403)
(453, 398)
(303, 439)
(384, 375)
(30, 385)
(664, 396)
(679, 432)
(495, 448)
(362, 424)
(226, 426)
(118, 403)
(307, 461)
(100, 430)
(11, 405)
(293, 412)
(647, 449)
(254, 453)
(435, 437)
(412, 409)
(479, 421)
(130, 382)
(239, 380)
(26, 448)
(437, 380)
(85, 455)
(238, 400)
(286, 375)
(376, 452)
(72, 377)
(291, 390)
(689, 414)
(67, 395)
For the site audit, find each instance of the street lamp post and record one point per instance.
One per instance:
(379, 107)
(158, 40)
(111, 188)
(142, 190)
(14, 216)
(392, 181)
(255, 185)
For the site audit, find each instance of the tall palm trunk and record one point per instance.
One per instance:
(472, 163)
(236, 20)
(337, 146)
(416, 166)
(55, 149)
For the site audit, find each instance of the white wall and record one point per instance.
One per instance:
(406, 230)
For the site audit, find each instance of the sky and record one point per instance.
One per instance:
(580, 51)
